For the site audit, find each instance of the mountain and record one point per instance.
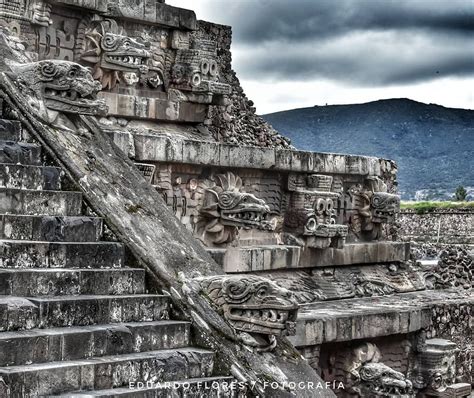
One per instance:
(433, 145)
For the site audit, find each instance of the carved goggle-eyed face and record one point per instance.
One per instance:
(324, 210)
(209, 68)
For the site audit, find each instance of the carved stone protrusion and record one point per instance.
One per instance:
(257, 308)
(226, 208)
(197, 69)
(435, 370)
(366, 376)
(371, 207)
(115, 57)
(311, 213)
(53, 88)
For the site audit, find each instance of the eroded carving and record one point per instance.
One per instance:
(366, 376)
(58, 87)
(196, 69)
(371, 206)
(257, 308)
(311, 213)
(115, 57)
(435, 369)
(226, 208)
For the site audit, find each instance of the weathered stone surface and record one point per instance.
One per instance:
(137, 214)
(363, 373)
(23, 153)
(10, 130)
(50, 228)
(86, 310)
(152, 11)
(266, 258)
(153, 108)
(263, 258)
(33, 202)
(95, 5)
(455, 226)
(357, 253)
(76, 343)
(107, 372)
(209, 387)
(17, 313)
(54, 282)
(27, 254)
(30, 177)
(151, 148)
(353, 319)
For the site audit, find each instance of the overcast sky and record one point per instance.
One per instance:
(297, 53)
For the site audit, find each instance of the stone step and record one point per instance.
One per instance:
(32, 254)
(205, 387)
(10, 130)
(20, 152)
(19, 313)
(50, 228)
(372, 317)
(57, 282)
(105, 372)
(46, 178)
(33, 202)
(76, 343)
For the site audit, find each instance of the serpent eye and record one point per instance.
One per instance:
(72, 73)
(262, 292)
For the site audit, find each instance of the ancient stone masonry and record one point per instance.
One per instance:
(311, 211)
(96, 164)
(366, 375)
(258, 309)
(264, 252)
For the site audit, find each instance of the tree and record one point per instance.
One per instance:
(460, 194)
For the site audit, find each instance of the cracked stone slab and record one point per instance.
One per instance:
(56, 282)
(86, 310)
(362, 318)
(41, 178)
(76, 343)
(107, 372)
(10, 130)
(31, 254)
(50, 228)
(20, 152)
(209, 387)
(33, 202)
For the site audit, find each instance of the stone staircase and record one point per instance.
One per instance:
(74, 319)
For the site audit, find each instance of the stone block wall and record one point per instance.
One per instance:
(450, 226)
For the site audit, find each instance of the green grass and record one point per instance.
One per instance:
(426, 207)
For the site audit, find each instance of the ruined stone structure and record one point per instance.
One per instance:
(154, 229)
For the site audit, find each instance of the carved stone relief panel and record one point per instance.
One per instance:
(311, 211)
(368, 206)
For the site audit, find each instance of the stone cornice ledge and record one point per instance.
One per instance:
(159, 148)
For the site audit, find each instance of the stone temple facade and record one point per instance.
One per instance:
(159, 239)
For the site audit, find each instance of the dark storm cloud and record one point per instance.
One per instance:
(363, 42)
(262, 20)
(363, 58)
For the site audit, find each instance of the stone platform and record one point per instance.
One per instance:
(364, 318)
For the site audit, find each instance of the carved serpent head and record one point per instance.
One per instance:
(253, 304)
(225, 209)
(59, 86)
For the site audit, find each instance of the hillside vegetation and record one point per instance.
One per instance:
(433, 145)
